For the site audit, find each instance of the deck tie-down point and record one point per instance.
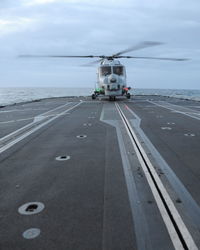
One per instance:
(81, 136)
(31, 208)
(63, 158)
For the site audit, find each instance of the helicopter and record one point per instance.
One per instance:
(111, 80)
(111, 74)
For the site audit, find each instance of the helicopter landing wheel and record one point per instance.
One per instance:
(93, 96)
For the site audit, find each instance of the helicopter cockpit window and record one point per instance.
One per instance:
(105, 71)
(118, 70)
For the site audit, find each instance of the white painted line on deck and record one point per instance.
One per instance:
(35, 119)
(10, 144)
(30, 124)
(64, 105)
(19, 120)
(21, 110)
(8, 111)
(142, 157)
(177, 111)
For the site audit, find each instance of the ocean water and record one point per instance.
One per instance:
(16, 95)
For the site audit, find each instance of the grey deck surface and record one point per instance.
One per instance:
(87, 203)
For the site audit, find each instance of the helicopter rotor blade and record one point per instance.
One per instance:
(58, 56)
(141, 45)
(155, 58)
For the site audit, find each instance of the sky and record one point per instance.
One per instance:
(98, 27)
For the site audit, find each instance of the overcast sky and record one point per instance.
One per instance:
(85, 27)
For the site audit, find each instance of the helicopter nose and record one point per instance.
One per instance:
(113, 79)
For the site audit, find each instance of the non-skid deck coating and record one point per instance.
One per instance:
(88, 201)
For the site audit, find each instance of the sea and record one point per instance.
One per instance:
(9, 96)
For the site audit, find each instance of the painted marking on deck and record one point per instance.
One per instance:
(179, 234)
(166, 128)
(189, 134)
(32, 130)
(31, 233)
(188, 113)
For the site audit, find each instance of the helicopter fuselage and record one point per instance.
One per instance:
(111, 78)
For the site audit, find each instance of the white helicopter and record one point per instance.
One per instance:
(111, 80)
(111, 74)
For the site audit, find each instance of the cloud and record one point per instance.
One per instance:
(37, 2)
(82, 27)
(81, 2)
(14, 24)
